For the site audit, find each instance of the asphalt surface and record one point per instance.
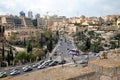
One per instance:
(60, 52)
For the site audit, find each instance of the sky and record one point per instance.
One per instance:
(69, 8)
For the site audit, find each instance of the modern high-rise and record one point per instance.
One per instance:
(30, 14)
(22, 14)
(37, 16)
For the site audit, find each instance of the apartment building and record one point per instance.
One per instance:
(118, 22)
(27, 22)
(7, 20)
(22, 33)
(15, 21)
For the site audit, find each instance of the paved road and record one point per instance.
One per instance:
(61, 50)
(66, 44)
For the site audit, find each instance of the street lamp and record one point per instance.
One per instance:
(62, 58)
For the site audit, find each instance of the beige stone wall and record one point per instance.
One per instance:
(113, 54)
(104, 69)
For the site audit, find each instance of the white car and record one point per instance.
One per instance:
(25, 66)
(15, 72)
(83, 61)
(35, 65)
(45, 64)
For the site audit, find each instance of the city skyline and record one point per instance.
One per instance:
(67, 8)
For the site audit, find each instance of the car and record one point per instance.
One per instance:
(74, 52)
(42, 61)
(68, 49)
(62, 62)
(41, 67)
(45, 64)
(35, 65)
(25, 66)
(53, 63)
(83, 61)
(15, 72)
(86, 57)
(97, 55)
(55, 54)
(27, 69)
(3, 74)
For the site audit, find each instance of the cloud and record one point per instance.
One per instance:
(106, 8)
(60, 7)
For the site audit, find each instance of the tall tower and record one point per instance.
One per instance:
(37, 16)
(22, 14)
(30, 14)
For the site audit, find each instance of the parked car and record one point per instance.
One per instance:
(55, 54)
(42, 61)
(3, 74)
(28, 69)
(84, 61)
(97, 55)
(45, 64)
(62, 62)
(41, 66)
(53, 63)
(86, 57)
(15, 72)
(35, 65)
(25, 66)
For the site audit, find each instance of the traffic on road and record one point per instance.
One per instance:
(64, 52)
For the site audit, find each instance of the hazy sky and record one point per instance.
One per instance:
(61, 7)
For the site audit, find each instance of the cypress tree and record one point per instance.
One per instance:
(0, 29)
(50, 45)
(8, 58)
(11, 54)
(88, 44)
(3, 52)
(3, 29)
(29, 47)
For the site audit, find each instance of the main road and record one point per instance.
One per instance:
(60, 52)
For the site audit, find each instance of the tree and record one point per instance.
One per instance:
(38, 54)
(50, 45)
(24, 42)
(87, 44)
(113, 44)
(21, 56)
(29, 47)
(3, 29)
(96, 47)
(0, 58)
(117, 37)
(57, 33)
(48, 34)
(8, 58)
(3, 52)
(11, 54)
(91, 33)
(0, 29)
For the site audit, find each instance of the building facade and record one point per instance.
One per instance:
(30, 14)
